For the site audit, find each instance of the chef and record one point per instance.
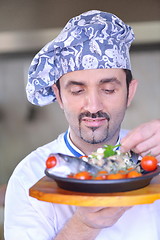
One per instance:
(87, 70)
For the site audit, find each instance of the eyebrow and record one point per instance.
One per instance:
(72, 82)
(110, 80)
(102, 81)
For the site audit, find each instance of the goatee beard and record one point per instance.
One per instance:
(99, 114)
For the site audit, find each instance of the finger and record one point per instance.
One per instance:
(147, 146)
(137, 136)
(153, 151)
(100, 217)
(140, 134)
(113, 211)
(121, 211)
(111, 215)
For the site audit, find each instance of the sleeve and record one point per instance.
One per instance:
(25, 217)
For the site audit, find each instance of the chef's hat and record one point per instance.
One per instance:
(92, 40)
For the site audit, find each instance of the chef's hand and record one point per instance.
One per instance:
(87, 222)
(99, 217)
(144, 139)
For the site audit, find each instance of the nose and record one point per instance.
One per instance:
(93, 102)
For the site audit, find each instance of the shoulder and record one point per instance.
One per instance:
(32, 167)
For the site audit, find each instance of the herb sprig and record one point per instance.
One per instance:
(109, 150)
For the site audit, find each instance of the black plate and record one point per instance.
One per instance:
(103, 186)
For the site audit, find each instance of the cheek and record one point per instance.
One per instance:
(116, 102)
(122, 98)
(71, 106)
(70, 103)
(71, 111)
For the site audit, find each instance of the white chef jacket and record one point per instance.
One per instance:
(27, 218)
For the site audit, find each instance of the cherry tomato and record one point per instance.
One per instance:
(84, 175)
(123, 172)
(149, 163)
(128, 169)
(102, 172)
(115, 176)
(134, 174)
(101, 175)
(51, 161)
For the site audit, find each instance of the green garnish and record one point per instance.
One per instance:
(109, 150)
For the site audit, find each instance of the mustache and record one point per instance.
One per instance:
(98, 114)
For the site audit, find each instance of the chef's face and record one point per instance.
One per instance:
(94, 103)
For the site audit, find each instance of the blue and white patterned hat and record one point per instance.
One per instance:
(91, 40)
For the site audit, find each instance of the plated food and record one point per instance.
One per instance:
(106, 170)
(110, 164)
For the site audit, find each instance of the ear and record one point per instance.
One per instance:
(57, 94)
(132, 90)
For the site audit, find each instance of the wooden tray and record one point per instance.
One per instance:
(47, 190)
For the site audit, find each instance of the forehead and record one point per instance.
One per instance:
(93, 75)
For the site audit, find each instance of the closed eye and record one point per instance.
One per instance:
(108, 91)
(77, 92)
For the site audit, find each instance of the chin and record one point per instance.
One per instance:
(94, 139)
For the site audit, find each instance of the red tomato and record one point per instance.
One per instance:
(149, 163)
(115, 176)
(101, 175)
(84, 175)
(123, 172)
(130, 168)
(102, 172)
(134, 174)
(51, 161)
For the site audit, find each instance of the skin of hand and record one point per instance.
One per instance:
(144, 139)
(100, 217)
(87, 222)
